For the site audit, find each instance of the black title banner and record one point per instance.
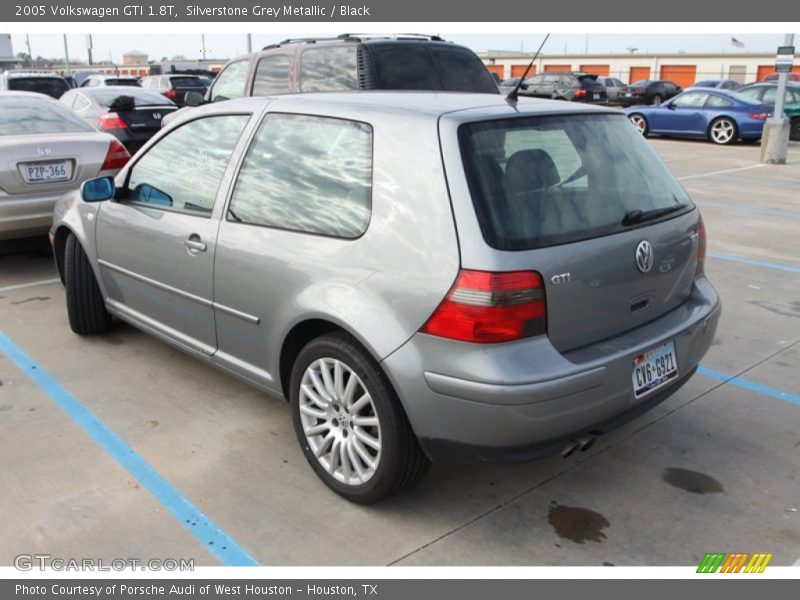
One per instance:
(474, 11)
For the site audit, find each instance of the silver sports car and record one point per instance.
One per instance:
(45, 151)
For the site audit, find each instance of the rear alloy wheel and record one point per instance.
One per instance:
(794, 131)
(85, 307)
(723, 131)
(350, 423)
(657, 100)
(639, 122)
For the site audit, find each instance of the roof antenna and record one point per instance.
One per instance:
(513, 95)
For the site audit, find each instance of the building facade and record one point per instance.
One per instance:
(682, 68)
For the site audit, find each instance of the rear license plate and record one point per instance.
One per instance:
(46, 172)
(596, 96)
(654, 368)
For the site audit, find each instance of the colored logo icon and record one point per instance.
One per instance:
(736, 562)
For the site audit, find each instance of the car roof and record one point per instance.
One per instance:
(28, 95)
(22, 74)
(433, 104)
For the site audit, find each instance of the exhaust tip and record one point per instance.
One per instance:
(570, 449)
(586, 441)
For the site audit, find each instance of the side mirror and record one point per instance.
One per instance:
(98, 189)
(669, 106)
(194, 99)
(524, 86)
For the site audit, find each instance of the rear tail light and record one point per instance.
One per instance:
(701, 250)
(170, 93)
(762, 116)
(484, 307)
(116, 157)
(580, 93)
(112, 120)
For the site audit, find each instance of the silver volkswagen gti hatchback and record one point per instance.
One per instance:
(424, 276)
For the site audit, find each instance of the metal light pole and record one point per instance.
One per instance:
(28, 44)
(775, 140)
(66, 57)
(249, 43)
(203, 39)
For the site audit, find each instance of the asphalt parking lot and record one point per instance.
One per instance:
(177, 459)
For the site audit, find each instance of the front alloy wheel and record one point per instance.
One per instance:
(639, 122)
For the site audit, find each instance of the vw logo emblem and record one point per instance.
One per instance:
(156, 116)
(644, 256)
(44, 151)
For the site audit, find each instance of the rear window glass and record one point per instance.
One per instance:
(542, 181)
(642, 83)
(129, 82)
(20, 116)
(140, 98)
(186, 82)
(52, 86)
(329, 69)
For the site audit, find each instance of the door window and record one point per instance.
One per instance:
(690, 100)
(272, 75)
(182, 172)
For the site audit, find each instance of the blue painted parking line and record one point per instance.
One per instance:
(749, 385)
(755, 262)
(216, 541)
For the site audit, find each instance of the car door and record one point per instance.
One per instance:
(156, 240)
(681, 115)
(303, 192)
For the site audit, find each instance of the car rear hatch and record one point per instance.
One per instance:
(594, 91)
(50, 163)
(184, 85)
(584, 201)
(144, 121)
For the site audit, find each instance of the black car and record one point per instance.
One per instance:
(174, 87)
(648, 91)
(569, 85)
(130, 114)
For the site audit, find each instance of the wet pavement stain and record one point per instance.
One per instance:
(778, 308)
(577, 524)
(690, 481)
(5, 407)
(35, 298)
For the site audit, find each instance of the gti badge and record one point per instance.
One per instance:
(644, 256)
(44, 151)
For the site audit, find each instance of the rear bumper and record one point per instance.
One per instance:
(26, 215)
(514, 402)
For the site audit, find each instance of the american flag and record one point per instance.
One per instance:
(736, 43)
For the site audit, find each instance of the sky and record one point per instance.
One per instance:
(222, 46)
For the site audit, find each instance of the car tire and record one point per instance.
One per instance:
(391, 459)
(723, 131)
(640, 122)
(85, 307)
(794, 129)
(656, 100)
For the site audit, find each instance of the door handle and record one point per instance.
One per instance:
(194, 244)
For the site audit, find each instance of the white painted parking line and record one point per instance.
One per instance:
(711, 173)
(20, 286)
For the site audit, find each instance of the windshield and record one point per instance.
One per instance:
(52, 86)
(542, 181)
(19, 116)
(129, 82)
(707, 83)
(186, 82)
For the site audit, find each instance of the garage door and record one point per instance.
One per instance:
(601, 70)
(519, 70)
(764, 70)
(683, 75)
(557, 68)
(499, 69)
(639, 74)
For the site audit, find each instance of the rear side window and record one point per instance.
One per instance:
(404, 67)
(309, 174)
(272, 75)
(461, 71)
(329, 69)
(542, 181)
(19, 116)
(52, 86)
(182, 172)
